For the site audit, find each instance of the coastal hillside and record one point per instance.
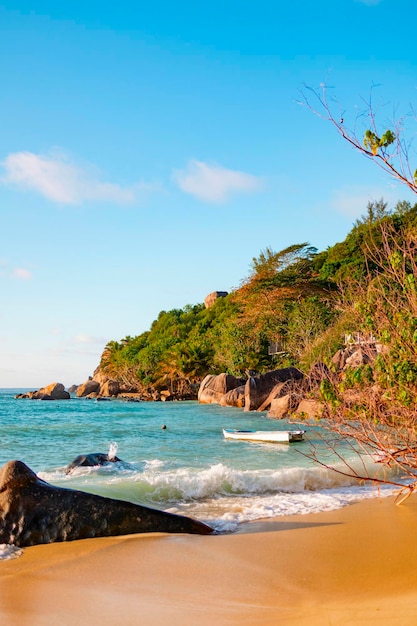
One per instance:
(294, 308)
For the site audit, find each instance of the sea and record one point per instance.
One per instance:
(188, 467)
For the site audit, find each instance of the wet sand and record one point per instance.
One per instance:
(356, 565)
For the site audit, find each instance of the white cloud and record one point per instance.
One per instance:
(55, 177)
(213, 183)
(353, 201)
(83, 338)
(22, 273)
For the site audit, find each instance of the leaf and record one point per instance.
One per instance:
(387, 139)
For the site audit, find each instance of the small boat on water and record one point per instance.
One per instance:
(266, 436)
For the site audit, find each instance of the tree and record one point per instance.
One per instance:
(373, 407)
(270, 263)
(390, 150)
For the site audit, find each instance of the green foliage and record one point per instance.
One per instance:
(346, 261)
(329, 393)
(372, 142)
(295, 258)
(359, 377)
(307, 319)
(328, 342)
(305, 301)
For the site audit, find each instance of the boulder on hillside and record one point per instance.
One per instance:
(258, 388)
(34, 512)
(54, 391)
(356, 355)
(339, 358)
(214, 388)
(309, 408)
(360, 357)
(212, 297)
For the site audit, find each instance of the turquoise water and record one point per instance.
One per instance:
(187, 468)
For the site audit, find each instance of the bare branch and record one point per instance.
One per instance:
(388, 150)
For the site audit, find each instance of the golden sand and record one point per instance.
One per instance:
(353, 566)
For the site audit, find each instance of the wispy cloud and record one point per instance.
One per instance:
(57, 178)
(353, 201)
(213, 183)
(79, 345)
(84, 338)
(22, 273)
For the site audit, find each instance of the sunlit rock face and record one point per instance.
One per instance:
(214, 389)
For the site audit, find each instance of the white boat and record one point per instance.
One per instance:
(266, 436)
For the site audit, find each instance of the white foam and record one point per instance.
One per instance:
(225, 514)
(153, 464)
(8, 552)
(112, 450)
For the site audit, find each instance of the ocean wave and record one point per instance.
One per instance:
(222, 496)
(157, 482)
(226, 514)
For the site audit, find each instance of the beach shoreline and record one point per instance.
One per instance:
(354, 565)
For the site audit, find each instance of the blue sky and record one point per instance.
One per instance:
(149, 150)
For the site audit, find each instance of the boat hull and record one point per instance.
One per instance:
(265, 436)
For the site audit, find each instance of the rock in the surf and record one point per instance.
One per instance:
(54, 391)
(34, 512)
(91, 460)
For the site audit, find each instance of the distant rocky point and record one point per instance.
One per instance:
(100, 386)
(54, 391)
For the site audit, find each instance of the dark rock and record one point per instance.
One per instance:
(278, 390)
(258, 388)
(34, 512)
(91, 460)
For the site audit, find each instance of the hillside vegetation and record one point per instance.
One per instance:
(301, 300)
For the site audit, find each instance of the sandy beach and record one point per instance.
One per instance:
(355, 565)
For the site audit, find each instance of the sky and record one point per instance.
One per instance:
(150, 150)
